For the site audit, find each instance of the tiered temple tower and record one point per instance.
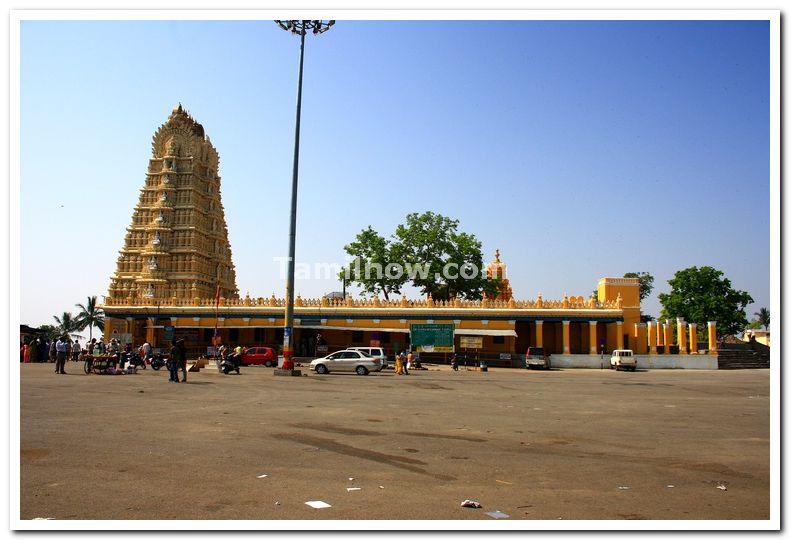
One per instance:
(177, 245)
(496, 269)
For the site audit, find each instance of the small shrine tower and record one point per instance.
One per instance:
(177, 244)
(496, 269)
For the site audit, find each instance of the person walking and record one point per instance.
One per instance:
(182, 359)
(62, 350)
(173, 362)
(75, 351)
(408, 360)
(399, 364)
(28, 352)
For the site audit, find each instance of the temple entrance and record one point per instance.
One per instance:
(525, 335)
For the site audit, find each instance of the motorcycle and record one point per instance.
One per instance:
(157, 361)
(134, 360)
(230, 363)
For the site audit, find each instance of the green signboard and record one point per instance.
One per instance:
(432, 337)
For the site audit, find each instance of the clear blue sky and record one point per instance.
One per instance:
(580, 149)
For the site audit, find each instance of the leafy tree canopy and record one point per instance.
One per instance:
(371, 254)
(427, 251)
(700, 295)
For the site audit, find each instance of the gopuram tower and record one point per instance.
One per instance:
(177, 244)
(496, 269)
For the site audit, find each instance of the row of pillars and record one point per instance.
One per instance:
(567, 336)
(658, 335)
(661, 334)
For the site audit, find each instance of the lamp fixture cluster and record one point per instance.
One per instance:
(302, 27)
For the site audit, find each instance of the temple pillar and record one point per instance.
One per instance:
(619, 334)
(539, 334)
(681, 332)
(713, 337)
(660, 336)
(652, 337)
(566, 337)
(693, 338)
(668, 328)
(593, 337)
(639, 338)
(150, 331)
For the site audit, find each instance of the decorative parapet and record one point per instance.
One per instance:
(566, 303)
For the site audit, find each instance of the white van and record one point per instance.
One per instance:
(375, 352)
(623, 358)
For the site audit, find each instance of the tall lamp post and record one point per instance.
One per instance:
(300, 28)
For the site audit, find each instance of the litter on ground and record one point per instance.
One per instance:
(470, 503)
(503, 482)
(261, 476)
(318, 504)
(722, 487)
(624, 488)
(497, 514)
(352, 488)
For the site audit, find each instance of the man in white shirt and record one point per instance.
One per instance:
(75, 351)
(62, 349)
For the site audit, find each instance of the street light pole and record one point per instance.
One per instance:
(301, 28)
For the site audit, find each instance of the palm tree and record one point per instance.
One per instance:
(763, 318)
(66, 323)
(90, 316)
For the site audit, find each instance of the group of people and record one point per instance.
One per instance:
(406, 361)
(56, 351)
(59, 350)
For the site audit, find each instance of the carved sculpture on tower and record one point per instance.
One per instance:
(177, 244)
(496, 269)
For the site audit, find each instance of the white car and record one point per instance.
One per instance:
(346, 360)
(623, 358)
(375, 352)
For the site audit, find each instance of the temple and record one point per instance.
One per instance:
(175, 279)
(177, 247)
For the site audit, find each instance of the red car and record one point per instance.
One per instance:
(259, 355)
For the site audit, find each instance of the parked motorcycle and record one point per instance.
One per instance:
(230, 363)
(157, 361)
(134, 360)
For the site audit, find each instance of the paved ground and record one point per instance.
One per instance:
(576, 444)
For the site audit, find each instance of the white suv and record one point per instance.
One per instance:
(375, 352)
(623, 358)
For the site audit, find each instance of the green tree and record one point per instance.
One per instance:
(49, 332)
(703, 294)
(449, 262)
(492, 287)
(371, 255)
(90, 316)
(763, 318)
(427, 251)
(646, 283)
(66, 323)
